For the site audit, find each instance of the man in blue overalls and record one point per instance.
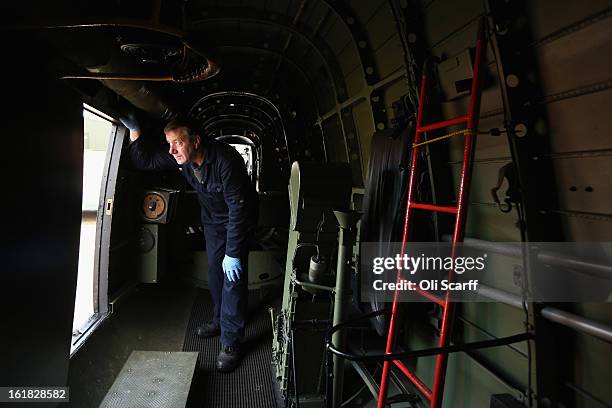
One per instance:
(228, 201)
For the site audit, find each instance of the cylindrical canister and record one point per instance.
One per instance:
(317, 271)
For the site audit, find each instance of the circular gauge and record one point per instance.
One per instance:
(153, 206)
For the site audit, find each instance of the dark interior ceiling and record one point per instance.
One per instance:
(273, 48)
(162, 57)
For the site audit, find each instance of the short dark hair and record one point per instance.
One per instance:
(191, 126)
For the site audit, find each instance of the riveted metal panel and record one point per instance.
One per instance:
(349, 59)
(459, 41)
(507, 360)
(489, 147)
(549, 16)
(485, 315)
(337, 37)
(380, 26)
(389, 56)
(583, 183)
(365, 10)
(581, 123)
(578, 59)
(591, 372)
(483, 180)
(488, 223)
(491, 98)
(443, 18)
(586, 227)
(355, 82)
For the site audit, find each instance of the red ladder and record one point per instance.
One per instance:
(460, 212)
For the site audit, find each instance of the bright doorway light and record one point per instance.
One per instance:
(97, 133)
(246, 151)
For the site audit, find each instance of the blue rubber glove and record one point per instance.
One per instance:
(130, 122)
(232, 268)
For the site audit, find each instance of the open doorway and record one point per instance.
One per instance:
(246, 151)
(98, 131)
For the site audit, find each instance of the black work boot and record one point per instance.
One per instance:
(208, 329)
(228, 359)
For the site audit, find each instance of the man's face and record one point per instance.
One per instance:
(182, 148)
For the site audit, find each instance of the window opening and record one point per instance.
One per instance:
(97, 131)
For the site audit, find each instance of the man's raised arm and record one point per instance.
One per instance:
(143, 157)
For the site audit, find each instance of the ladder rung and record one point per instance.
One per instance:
(443, 124)
(431, 207)
(415, 380)
(431, 297)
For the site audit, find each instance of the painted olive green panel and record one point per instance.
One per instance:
(462, 40)
(484, 178)
(548, 16)
(337, 35)
(366, 10)
(562, 62)
(592, 369)
(381, 26)
(583, 184)
(355, 82)
(510, 361)
(443, 17)
(491, 99)
(389, 57)
(581, 123)
(468, 384)
(349, 59)
(488, 223)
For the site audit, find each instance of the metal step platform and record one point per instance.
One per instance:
(153, 379)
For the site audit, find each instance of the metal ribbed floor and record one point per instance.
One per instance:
(250, 385)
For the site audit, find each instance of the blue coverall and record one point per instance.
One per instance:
(229, 208)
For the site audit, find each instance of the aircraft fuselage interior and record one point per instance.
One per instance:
(306, 203)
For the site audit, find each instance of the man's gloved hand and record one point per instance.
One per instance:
(232, 268)
(129, 121)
